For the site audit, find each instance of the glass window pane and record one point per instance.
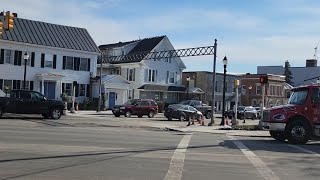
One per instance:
(69, 63)
(83, 64)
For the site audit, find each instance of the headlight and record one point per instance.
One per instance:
(122, 107)
(279, 117)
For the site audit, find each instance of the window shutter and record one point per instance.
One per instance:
(18, 84)
(42, 60)
(14, 84)
(77, 90)
(89, 64)
(134, 74)
(76, 64)
(31, 85)
(63, 87)
(88, 90)
(1, 83)
(167, 77)
(156, 78)
(128, 74)
(32, 59)
(64, 62)
(19, 57)
(2, 57)
(16, 54)
(54, 61)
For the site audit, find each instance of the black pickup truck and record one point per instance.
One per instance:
(204, 109)
(30, 102)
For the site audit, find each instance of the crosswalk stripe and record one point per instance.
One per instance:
(177, 160)
(263, 169)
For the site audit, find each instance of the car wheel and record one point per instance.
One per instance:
(128, 114)
(45, 116)
(140, 116)
(279, 136)
(56, 113)
(298, 132)
(117, 115)
(208, 115)
(182, 117)
(151, 114)
(169, 118)
(1, 112)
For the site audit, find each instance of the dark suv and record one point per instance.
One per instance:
(138, 107)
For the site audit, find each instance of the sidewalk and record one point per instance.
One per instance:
(101, 118)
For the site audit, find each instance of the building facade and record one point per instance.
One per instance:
(277, 91)
(58, 56)
(157, 78)
(201, 84)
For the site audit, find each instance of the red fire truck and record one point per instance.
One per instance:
(299, 120)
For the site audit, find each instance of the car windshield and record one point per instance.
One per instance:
(298, 97)
(184, 102)
(131, 102)
(240, 108)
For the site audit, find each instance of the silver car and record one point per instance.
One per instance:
(250, 113)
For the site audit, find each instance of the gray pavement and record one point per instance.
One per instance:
(159, 121)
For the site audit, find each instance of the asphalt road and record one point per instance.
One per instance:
(67, 152)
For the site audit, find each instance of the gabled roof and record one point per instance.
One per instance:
(143, 45)
(115, 45)
(53, 35)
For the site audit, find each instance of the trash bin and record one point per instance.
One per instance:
(65, 109)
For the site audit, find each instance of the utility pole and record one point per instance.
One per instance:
(234, 120)
(100, 85)
(213, 83)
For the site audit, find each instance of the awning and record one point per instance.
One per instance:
(153, 87)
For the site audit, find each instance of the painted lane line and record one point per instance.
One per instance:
(263, 169)
(304, 150)
(177, 160)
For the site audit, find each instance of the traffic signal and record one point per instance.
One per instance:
(1, 27)
(8, 21)
(263, 79)
(236, 82)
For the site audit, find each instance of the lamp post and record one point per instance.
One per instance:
(188, 81)
(25, 57)
(225, 62)
(249, 99)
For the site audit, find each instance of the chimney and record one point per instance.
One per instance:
(311, 63)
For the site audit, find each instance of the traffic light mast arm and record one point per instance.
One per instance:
(198, 51)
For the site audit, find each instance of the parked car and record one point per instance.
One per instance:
(30, 102)
(181, 112)
(250, 112)
(137, 107)
(203, 108)
(240, 112)
(258, 109)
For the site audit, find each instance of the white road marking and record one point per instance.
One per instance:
(263, 169)
(304, 150)
(177, 160)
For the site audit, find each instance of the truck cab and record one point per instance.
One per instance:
(299, 120)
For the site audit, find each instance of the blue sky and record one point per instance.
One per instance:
(249, 32)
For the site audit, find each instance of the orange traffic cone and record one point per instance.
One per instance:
(202, 120)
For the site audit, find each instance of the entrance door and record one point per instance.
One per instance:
(50, 89)
(112, 99)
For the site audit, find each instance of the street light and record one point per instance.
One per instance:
(25, 57)
(225, 62)
(213, 83)
(188, 81)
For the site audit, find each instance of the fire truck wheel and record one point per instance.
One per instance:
(298, 132)
(279, 136)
